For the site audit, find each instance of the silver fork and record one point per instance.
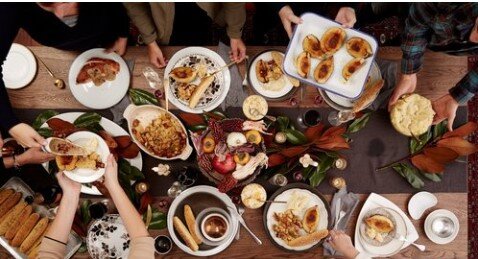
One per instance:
(245, 82)
(240, 209)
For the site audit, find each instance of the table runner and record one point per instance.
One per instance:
(375, 145)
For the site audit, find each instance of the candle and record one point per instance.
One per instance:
(337, 182)
(341, 163)
(141, 187)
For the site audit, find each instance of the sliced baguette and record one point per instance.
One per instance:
(184, 233)
(191, 223)
(199, 91)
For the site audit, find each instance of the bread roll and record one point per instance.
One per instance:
(34, 235)
(18, 222)
(191, 223)
(25, 229)
(8, 204)
(309, 239)
(11, 217)
(184, 233)
(4, 194)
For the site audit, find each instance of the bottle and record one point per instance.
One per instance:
(48, 195)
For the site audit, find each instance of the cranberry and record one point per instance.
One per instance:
(298, 176)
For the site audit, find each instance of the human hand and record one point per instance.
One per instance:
(445, 108)
(26, 136)
(68, 186)
(111, 173)
(238, 50)
(34, 155)
(346, 16)
(119, 46)
(288, 17)
(342, 243)
(406, 84)
(156, 55)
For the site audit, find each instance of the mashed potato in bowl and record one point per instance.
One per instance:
(412, 115)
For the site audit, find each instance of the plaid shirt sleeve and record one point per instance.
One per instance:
(466, 88)
(415, 37)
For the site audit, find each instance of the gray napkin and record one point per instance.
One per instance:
(118, 109)
(388, 69)
(236, 95)
(348, 204)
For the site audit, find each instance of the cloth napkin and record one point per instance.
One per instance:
(388, 69)
(236, 95)
(118, 109)
(348, 203)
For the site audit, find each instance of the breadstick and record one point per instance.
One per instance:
(184, 233)
(33, 254)
(191, 223)
(18, 222)
(5, 193)
(34, 235)
(11, 217)
(8, 204)
(38, 242)
(25, 229)
(308, 239)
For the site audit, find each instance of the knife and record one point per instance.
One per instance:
(243, 223)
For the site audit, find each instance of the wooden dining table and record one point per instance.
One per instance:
(440, 72)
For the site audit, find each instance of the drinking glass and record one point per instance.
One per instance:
(337, 118)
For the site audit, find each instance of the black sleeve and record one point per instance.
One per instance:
(10, 19)
(121, 19)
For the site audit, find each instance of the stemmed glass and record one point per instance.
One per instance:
(185, 179)
(337, 118)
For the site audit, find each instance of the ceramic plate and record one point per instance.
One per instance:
(317, 25)
(107, 238)
(19, 67)
(341, 103)
(389, 246)
(105, 95)
(83, 175)
(211, 62)
(284, 194)
(428, 226)
(201, 198)
(112, 128)
(262, 88)
(419, 203)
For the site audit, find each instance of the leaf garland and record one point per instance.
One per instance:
(359, 123)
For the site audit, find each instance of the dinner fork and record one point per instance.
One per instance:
(240, 209)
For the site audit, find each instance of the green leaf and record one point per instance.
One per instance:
(417, 145)
(282, 123)
(295, 137)
(439, 129)
(410, 174)
(135, 174)
(158, 220)
(84, 211)
(45, 132)
(432, 177)
(359, 123)
(88, 120)
(42, 118)
(317, 177)
(306, 172)
(198, 127)
(142, 97)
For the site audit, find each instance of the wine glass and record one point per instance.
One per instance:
(309, 118)
(152, 77)
(337, 118)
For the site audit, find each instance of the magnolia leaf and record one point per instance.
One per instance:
(410, 174)
(333, 143)
(42, 118)
(441, 155)
(459, 145)
(192, 119)
(432, 177)
(275, 159)
(306, 172)
(45, 132)
(317, 177)
(142, 97)
(462, 131)
(333, 131)
(417, 144)
(314, 132)
(293, 151)
(427, 164)
(295, 137)
(282, 123)
(359, 123)
(439, 129)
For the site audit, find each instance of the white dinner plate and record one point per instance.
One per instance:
(317, 25)
(105, 95)
(108, 238)
(259, 87)
(281, 207)
(112, 128)
(19, 67)
(215, 95)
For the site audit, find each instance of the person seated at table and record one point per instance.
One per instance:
(67, 26)
(342, 243)
(187, 24)
(31, 156)
(53, 244)
(450, 28)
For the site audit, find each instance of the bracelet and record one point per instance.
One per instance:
(16, 165)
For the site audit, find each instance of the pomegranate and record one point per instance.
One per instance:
(225, 166)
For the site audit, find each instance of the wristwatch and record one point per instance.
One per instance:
(16, 165)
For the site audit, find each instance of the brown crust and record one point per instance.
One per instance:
(9, 203)
(37, 231)
(309, 239)
(18, 223)
(26, 228)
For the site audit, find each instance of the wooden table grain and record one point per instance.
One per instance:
(440, 72)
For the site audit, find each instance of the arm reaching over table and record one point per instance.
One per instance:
(342, 243)
(142, 245)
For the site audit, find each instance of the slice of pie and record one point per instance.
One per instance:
(98, 71)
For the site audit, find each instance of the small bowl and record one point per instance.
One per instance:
(443, 227)
(163, 244)
(219, 218)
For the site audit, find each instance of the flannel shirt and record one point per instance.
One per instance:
(443, 27)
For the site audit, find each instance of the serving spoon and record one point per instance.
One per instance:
(61, 147)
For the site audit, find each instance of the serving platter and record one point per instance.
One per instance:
(318, 25)
(208, 62)
(105, 95)
(284, 194)
(200, 198)
(112, 128)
